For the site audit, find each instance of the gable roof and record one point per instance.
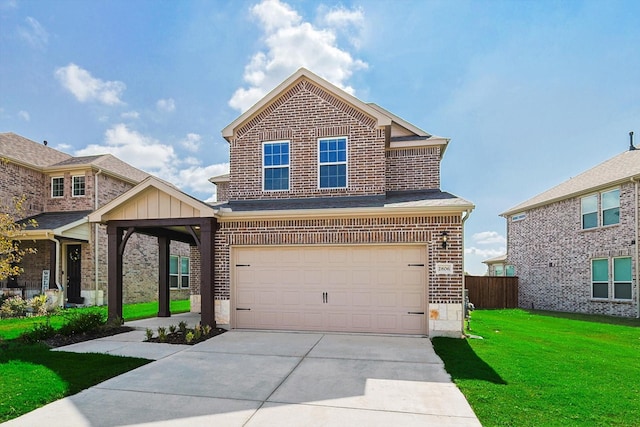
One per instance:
(153, 198)
(381, 117)
(614, 171)
(46, 159)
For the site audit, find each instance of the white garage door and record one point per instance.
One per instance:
(331, 288)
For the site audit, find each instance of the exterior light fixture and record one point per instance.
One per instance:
(445, 238)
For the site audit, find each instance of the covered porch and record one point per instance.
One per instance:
(156, 208)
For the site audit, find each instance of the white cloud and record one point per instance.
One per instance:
(141, 151)
(347, 21)
(489, 238)
(63, 147)
(196, 178)
(24, 115)
(34, 33)
(133, 115)
(191, 142)
(485, 253)
(87, 88)
(166, 105)
(292, 43)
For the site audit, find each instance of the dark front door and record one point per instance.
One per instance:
(74, 269)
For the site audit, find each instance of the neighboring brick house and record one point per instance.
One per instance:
(332, 218)
(60, 191)
(575, 247)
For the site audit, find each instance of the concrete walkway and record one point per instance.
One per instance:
(254, 378)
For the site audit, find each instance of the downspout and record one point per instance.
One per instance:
(56, 275)
(464, 219)
(636, 180)
(95, 236)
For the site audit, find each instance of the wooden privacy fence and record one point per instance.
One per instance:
(492, 291)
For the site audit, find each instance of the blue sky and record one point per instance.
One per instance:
(530, 92)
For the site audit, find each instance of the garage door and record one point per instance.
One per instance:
(331, 288)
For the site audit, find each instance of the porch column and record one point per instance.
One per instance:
(114, 259)
(163, 277)
(207, 293)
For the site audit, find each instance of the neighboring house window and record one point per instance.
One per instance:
(498, 270)
(622, 278)
(600, 278)
(589, 212)
(518, 217)
(178, 272)
(510, 271)
(611, 207)
(57, 187)
(332, 163)
(78, 186)
(275, 165)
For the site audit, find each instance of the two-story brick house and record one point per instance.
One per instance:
(331, 218)
(60, 191)
(575, 246)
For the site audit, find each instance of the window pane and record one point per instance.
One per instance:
(611, 199)
(622, 269)
(185, 281)
(498, 270)
(57, 187)
(184, 265)
(601, 290)
(622, 290)
(173, 265)
(78, 185)
(600, 270)
(590, 220)
(173, 281)
(590, 204)
(511, 270)
(611, 216)
(276, 179)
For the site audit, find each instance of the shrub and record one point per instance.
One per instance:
(38, 305)
(189, 337)
(13, 307)
(149, 334)
(183, 327)
(40, 332)
(162, 334)
(82, 321)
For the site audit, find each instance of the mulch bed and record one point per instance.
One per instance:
(179, 338)
(62, 340)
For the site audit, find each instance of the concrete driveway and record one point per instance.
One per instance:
(250, 378)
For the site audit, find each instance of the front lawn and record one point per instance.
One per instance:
(32, 376)
(547, 369)
(12, 328)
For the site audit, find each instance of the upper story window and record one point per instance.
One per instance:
(611, 207)
(57, 187)
(589, 211)
(600, 209)
(332, 162)
(78, 186)
(275, 166)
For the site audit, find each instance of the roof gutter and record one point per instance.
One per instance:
(464, 276)
(96, 253)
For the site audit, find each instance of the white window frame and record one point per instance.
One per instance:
(518, 217)
(53, 178)
(600, 281)
(73, 186)
(345, 162)
(583, 213)
(614, 281)
(179, 275)
(602, 209)
(288, 166)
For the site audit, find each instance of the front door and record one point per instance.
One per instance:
(74, 269)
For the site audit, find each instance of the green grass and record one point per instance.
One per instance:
(12, 328)
(538, 368)
(32, 376)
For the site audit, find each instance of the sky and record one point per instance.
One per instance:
(531, 93)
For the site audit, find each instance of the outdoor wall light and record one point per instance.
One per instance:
(445, 238)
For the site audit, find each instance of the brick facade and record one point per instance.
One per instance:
(552, 256)
(415, 168)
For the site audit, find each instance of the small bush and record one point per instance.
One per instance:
(149, 334)
(189, 337)
(13, 307)
(38, 305)
(183, 327)
(162, 334)
(172, 329)
(40, 332)
(82, 321)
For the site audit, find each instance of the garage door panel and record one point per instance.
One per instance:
(331, 288)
